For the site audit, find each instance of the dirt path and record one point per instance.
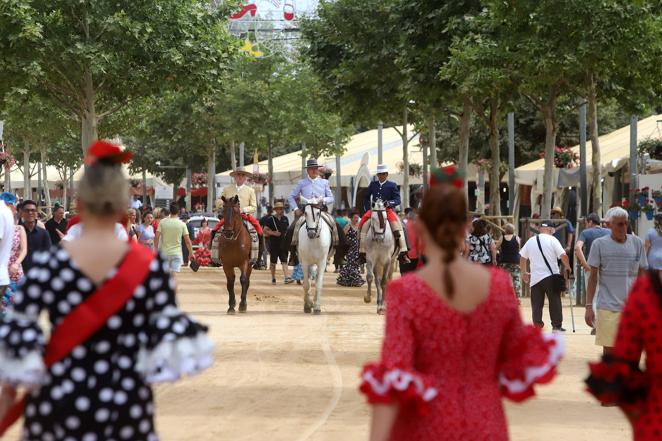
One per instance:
(281, 375)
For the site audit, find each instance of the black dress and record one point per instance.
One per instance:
(350, 273)
(101, 391)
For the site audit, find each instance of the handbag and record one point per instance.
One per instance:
(91, 315)
(558, 281)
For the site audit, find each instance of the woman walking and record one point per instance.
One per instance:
(145, 231)
(653, 244)
(617, 380)
(203, 254)
(116, 326)
(509, 256)
(454, 342)
(132, 216)
(350, 273)
(19, 249)
(482, 248)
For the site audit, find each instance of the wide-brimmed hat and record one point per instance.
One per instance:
(558, 210)
(312, 163)
(241, 171)
(381, 168)
(278, 205)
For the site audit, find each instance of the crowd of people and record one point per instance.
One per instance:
(451, 353)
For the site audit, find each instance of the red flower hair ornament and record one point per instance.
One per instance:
(107, 153)
(447, 175)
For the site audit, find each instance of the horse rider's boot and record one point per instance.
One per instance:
(260, 253)
(402, 244)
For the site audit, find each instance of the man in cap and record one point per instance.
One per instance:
(275, 229)
(388, 192)
(311, 187)
(565, 232)
(247, 199)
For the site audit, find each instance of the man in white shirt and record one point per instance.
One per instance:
(543, 252)
(136, 203)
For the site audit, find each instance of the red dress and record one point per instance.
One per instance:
(202, 255)
(449, 370)
(618, 379)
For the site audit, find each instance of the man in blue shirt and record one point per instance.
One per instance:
(312, 187)
(387, 191)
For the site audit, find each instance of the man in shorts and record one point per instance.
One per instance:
(616, 261)
(275, 229)
(169, 237)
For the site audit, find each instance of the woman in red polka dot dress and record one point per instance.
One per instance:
(617, 379)
(454, 343)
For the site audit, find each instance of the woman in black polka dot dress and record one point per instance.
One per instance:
(101, 389)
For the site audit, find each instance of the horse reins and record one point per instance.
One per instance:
(232, 235)
(316, 229)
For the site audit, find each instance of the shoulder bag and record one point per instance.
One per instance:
(558, 281)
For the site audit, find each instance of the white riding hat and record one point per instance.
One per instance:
(382, 168)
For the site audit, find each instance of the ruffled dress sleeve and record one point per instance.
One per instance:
(527, 356)
(177, 345)
(22, 341)
(617, 379)
(394, 379)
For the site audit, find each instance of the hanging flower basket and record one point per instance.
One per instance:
(633, 209)
(564, 157)
(260, 178)
(199, 180)
(648, 208)
(7, 160)
(657, 196)
(415, 169)
(652, 146)
(326, 172)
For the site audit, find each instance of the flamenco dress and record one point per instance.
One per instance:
(449, 370)
(202, 255)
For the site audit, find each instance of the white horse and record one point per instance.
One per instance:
(380, 254)
(313, 249)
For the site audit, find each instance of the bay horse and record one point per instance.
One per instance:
(234, 249)
(380, 254)
(313, 250)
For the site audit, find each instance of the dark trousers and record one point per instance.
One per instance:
(538, 292)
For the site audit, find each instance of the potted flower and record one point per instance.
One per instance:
(651, 146)
(7, 159)
(564, 157)
(326, 172)
(657, 196)
(649, 209)
(260, 178)
(641, 195)
(633, 208)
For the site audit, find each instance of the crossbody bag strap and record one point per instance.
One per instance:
(88, 317)
(543, 255)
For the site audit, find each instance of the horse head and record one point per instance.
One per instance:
(378, 220)
(312, 212)
(232, 217)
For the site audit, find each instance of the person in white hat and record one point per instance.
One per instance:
(247, 198)
(312, 186)
(389, 193)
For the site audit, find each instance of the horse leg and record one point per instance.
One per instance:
(368, 277)
(383, 278)
(321, 268)
(243, 279)
(307, 304)
(229, 275)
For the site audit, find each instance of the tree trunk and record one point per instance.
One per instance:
(89, 132)
(144, 176)
(233, 157)
(596, 165)
(73, 191)
(495, 176)
(549, 116)
(7, 178)
(432, 127)
(211, 174)
(65, 185)
(27, 184)
(465, 131)
(270, 162)
(189, 196)
(47, 190)
(39, 183)
(405, 159)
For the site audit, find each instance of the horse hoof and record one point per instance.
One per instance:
(231, 311)
(307, 309)
(381, 310)
(367, 299)
(243, 307)
(317, 311)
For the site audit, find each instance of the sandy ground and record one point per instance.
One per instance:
(283, 375)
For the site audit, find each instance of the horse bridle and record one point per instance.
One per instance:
(316, 228)
(379, 235)
(229, 233)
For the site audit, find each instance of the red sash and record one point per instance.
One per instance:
(91, 315)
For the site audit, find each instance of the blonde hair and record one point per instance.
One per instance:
(509, 228)
(104, 190)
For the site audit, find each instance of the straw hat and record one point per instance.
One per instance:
(241, 171)
(278, 205)
(557, 210)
